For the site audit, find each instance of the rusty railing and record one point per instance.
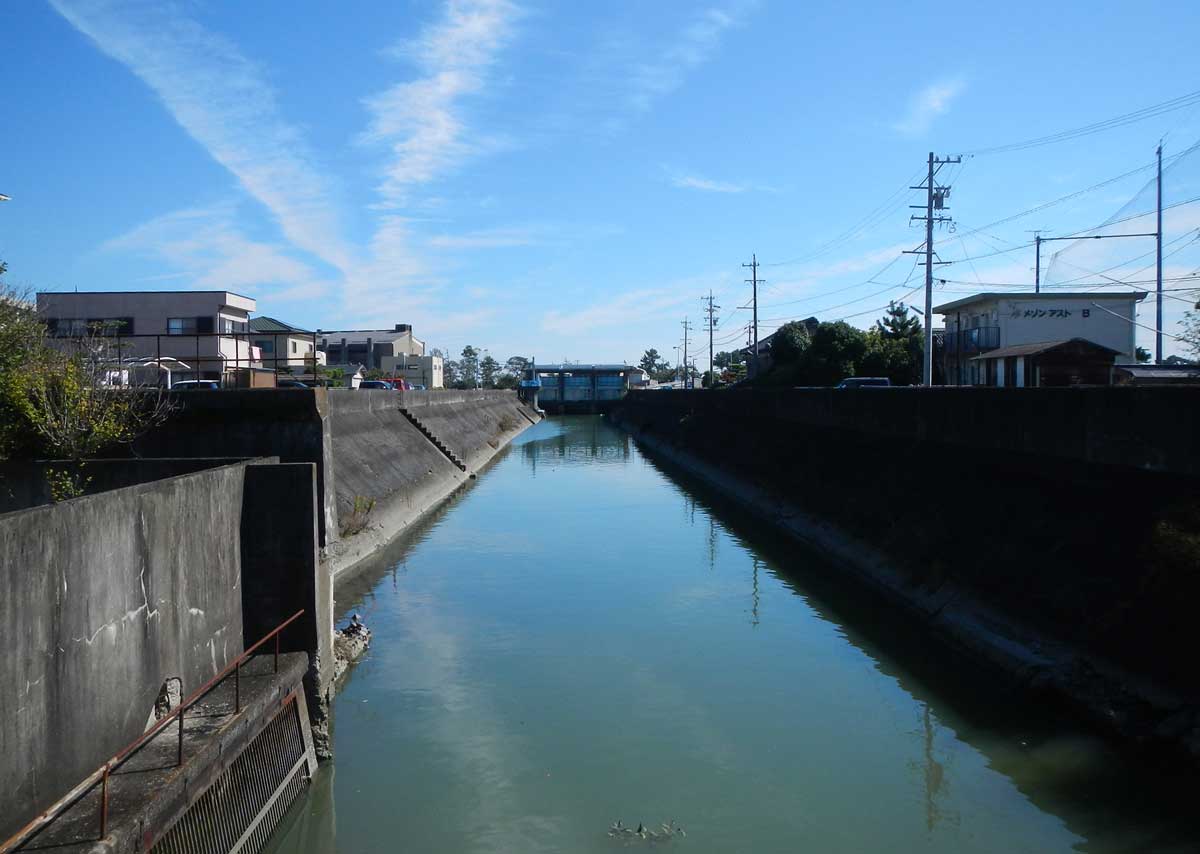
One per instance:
(100, 775)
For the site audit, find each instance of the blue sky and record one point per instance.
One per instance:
(567, 180)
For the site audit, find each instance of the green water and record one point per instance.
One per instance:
(584, 636)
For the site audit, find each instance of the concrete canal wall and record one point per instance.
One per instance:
(364, 447)
(385, 462)
(101, 599)
(1067, 563)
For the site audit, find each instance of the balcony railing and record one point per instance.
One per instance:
(971, 341)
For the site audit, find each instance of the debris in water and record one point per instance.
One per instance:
(629, 836)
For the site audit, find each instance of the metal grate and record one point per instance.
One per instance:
(242, 807)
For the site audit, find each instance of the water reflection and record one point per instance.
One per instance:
(532, 682)
(1114, 800)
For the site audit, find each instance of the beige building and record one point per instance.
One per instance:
(206, 331)
(986, 322)
(420, 370)
(284, 347)
(396, 352)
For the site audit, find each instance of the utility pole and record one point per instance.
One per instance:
(1037, 264)
(687, 380)
(712, 322)
(1158, 357)
(936, 196)
(753, 282)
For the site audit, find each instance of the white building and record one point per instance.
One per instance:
(1008, 322)
(205, 330)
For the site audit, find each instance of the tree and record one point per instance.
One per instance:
(468, 367)
(664, 373)
(507, 381)
(516, 365)
(488, 369)
(728, 358)
(789, 343)
(897, 323)
(450, 373)
(651, 361)
(1142, 354)
(889, 357)
(834, 353)
(1191, 331)
(22, 351)
(64, 399)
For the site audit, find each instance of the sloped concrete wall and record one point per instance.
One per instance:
(473, 424)
(382, 457)
(101, 599)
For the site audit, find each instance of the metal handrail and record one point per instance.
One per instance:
(101, 774)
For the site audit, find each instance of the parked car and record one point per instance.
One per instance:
(196, 385)
(376, 384)
(291, 384)
(865, 382)
(418, 387)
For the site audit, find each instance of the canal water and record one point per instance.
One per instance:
(584, 637)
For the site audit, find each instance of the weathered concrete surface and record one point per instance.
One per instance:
(291, 424)
(282, 574)
(1146, 429)
(150, 792)
(382, 457)
(102, 598)
(1038, 566)
(23, 484)
(473, 424)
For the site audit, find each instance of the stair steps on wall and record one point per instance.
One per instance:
(438, 443)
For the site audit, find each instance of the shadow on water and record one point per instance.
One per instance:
(1118, 799)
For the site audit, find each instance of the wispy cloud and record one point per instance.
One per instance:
(223, 101)
(422, 121)
(498, 238)
(932, 101)
(691, 48)
(696, 182)
(214, 254)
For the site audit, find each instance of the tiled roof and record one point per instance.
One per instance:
(270, 324)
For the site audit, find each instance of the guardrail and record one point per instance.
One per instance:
(100, 775)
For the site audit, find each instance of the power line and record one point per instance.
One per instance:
(881, 213)
(1178, 103)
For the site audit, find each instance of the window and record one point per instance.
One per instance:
(229, 327)
(189, 325)
(110, 325)
(267, 345)
(67, 327)
(293, 346)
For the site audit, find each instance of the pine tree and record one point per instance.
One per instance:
(897, 323)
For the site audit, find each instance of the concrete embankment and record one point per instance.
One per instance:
(391, 467)
(378, 468)
(1076, 579)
